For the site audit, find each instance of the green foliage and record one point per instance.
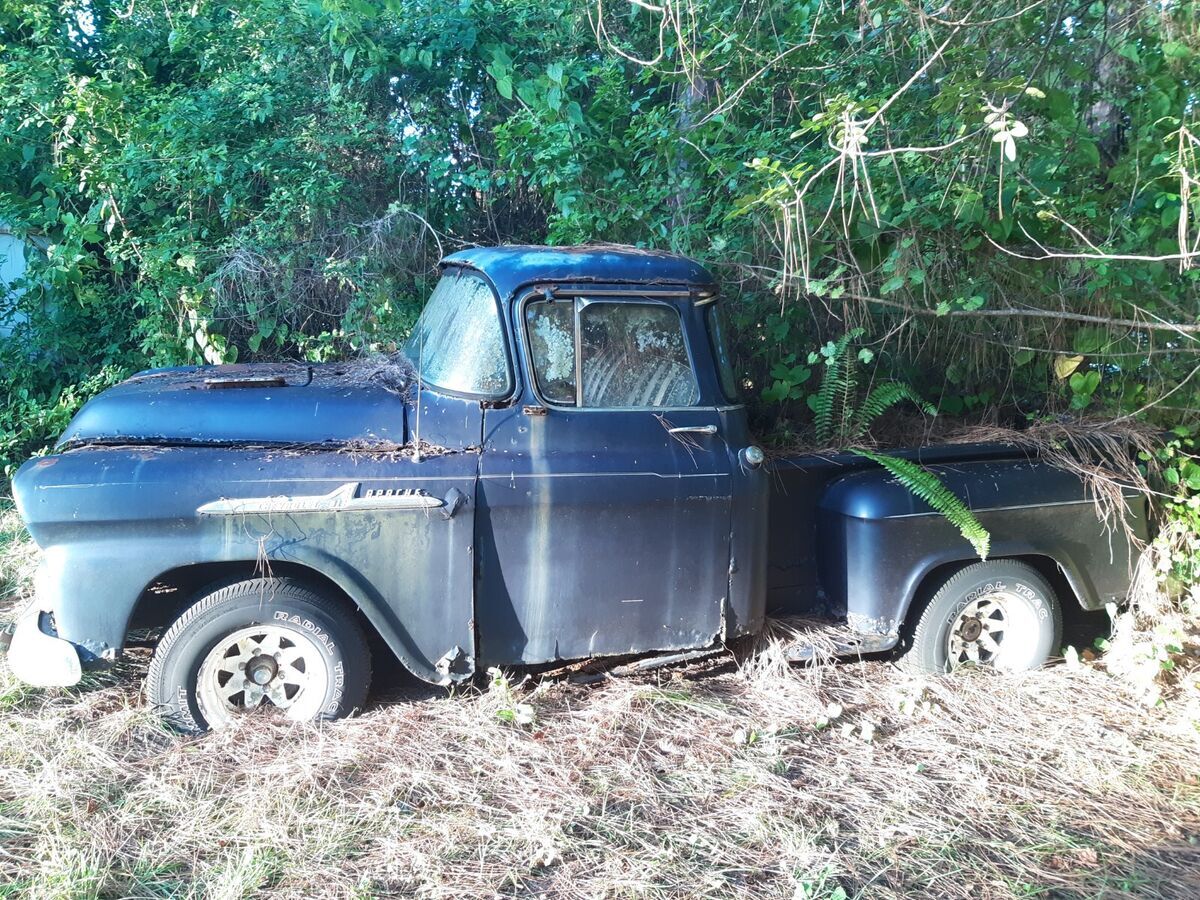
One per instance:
(30, 421)
(928, 487)
(839, 413)
(1178, 464)
(203, 181)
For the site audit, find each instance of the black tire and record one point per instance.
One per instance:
(296, 615)
(1027, 629)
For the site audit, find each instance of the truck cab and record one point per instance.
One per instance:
(612, 469)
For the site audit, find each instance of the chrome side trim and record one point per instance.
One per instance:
(342, 499)
(986, 509)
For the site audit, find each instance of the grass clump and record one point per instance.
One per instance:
(18, 559)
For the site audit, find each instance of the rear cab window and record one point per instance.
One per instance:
(718, 335)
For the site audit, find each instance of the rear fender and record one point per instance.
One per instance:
(879, 543)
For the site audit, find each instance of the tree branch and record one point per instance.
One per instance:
(1127, 257)
(1018, 313)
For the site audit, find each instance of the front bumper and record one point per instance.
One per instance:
(39, 658)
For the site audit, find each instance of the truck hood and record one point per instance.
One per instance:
(361, 402)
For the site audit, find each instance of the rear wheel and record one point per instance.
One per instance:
(1000, 614)
(272, 644)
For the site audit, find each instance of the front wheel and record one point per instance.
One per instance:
(1000, 614)
(261, 643)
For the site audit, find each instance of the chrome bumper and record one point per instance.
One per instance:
(41, 659)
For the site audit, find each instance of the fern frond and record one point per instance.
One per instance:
(835, 397)
(926, 486)
(849, 385)
(827, 395)
(880, 400)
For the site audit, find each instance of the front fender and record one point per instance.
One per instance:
(113, 522)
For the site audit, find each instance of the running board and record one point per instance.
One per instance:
(669, 659)
(801, 640)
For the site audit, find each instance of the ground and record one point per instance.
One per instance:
(750, 779)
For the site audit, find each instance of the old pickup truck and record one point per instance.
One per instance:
(558, 467)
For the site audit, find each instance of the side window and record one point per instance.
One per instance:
(624, 355)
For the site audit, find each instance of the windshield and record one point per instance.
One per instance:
(458, 343)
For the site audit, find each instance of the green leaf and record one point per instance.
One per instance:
(1084, 383)
(892, 285)
(1130, 52)
(1089, 340)
(1089, 153)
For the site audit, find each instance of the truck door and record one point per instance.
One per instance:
(605, 492)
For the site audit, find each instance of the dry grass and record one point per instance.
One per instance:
(764, 781)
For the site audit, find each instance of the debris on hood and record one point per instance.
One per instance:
(264, 403)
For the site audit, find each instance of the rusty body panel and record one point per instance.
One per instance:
(498, 525)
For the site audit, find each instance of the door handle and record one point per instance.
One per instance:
(693, 429)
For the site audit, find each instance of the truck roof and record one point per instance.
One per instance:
(514, 266)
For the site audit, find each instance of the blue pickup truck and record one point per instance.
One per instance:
(558, 467)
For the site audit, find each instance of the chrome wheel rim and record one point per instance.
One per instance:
(262, 666)
(992, 630)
